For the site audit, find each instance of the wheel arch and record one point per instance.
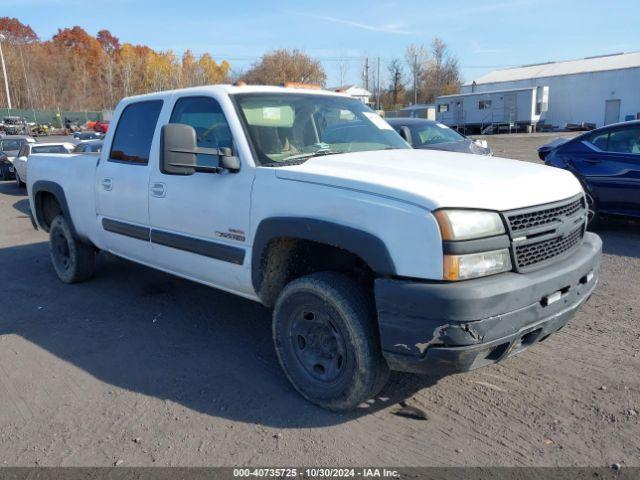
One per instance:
(42, 192)
(288, 232)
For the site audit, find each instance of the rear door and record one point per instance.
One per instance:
(611, 167)
(122, 181)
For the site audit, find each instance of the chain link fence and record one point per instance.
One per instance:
(57, 118)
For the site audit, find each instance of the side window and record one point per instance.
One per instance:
(625, 140)
(600, 140)
(134, 133)
(205, 115)
(23, 151)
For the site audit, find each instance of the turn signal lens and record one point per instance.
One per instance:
(474, 265)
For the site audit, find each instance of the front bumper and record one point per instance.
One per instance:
(441, 328)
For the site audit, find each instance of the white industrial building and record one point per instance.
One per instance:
(354, 91)
(597, 90)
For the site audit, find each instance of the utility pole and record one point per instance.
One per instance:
(378, 83)
(415, 79)
(365, 73)
(4, 72)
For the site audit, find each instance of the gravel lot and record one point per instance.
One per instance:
(140, 368)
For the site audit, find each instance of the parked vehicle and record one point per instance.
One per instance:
(88, 146)
(87, 135)
(20, 162)
(9, 148)
(40, 129)
(373, 255)
(15, 125)
(101, 127)
(607, 163)
(431, 135)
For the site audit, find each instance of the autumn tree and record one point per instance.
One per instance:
(78, 71)
(282, 66)
(17, 32)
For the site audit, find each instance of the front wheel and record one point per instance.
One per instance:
(327, 341)
(72, 260)
(594, 220)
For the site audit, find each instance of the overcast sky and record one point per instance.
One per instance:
(483, 34)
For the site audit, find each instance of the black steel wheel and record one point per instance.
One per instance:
(327, 341)
(72, 260)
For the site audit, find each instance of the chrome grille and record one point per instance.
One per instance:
(541, 234)
(538, 252)
(527, 220)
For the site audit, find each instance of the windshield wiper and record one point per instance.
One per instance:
(319, 153)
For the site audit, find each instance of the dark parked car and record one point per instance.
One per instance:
(607, 162)
(88, 146)
(427, 134)
(9, 148)
(87, 135)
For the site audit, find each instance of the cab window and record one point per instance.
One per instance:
(134, 133)
(24, 151)
(205, 115)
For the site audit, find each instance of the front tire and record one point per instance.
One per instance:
(327, 341)
(594, 220)
(72, 260)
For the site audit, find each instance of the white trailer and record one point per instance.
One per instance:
(494, 111)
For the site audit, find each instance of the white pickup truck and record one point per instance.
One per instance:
(374, 256)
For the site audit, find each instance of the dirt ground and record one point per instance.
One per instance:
(140, 368)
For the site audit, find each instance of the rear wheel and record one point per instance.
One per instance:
(72, 260)
(19, 182)
(327, 341)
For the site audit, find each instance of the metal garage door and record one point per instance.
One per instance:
(611, 111)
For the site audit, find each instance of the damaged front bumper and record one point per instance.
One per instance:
(441, 328)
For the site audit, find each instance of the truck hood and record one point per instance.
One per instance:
(435, 179)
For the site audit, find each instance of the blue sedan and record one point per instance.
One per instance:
(607, 162)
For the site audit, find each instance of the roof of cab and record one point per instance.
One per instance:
(235, 89)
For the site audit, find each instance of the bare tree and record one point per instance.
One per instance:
(343, 69)
(416, 57)
(396, 91)
(442, 75)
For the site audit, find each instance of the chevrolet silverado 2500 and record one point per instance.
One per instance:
(373, 256)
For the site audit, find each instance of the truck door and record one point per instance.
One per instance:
(200, 222)
(122, 181)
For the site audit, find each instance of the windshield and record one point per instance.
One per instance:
(11, 145)
(292, 127)
(433, 133)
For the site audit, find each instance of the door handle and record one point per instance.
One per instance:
(592, 160)
(107, 184)
(158, 190)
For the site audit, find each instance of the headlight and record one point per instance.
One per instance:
(462, 267)
(468, 224)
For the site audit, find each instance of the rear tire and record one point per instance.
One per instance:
(19, 182)
(72, 260)
(327, 341)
